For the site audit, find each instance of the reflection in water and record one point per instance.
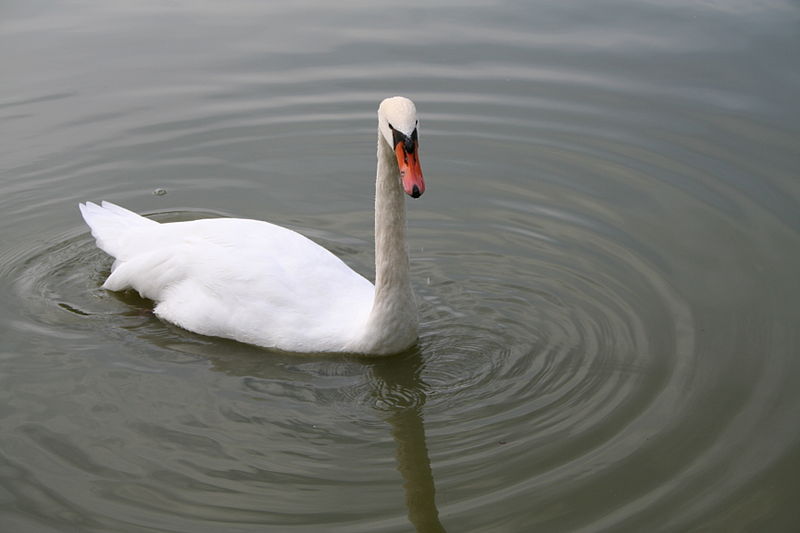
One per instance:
(397, 391)
(400, 391)
(607, 267)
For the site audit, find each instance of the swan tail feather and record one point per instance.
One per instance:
(112, 225)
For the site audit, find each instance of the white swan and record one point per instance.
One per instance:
(263, 284)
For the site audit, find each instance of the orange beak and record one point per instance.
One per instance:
(410, 172)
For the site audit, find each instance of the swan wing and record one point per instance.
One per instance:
(247, 280)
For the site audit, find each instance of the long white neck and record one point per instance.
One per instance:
(393, 321)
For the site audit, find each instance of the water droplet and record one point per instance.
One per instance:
(160, 192)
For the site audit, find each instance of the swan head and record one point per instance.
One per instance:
(398, 125)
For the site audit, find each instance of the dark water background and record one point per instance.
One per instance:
(606, 261)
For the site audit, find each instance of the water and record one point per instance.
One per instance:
(605, 259)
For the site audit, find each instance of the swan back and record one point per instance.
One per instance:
(242, 279)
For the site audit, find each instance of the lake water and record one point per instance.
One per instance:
(606, 262)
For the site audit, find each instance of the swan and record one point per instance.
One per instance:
(263, 284)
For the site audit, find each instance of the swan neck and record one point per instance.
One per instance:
(391, 255)
(394, 314)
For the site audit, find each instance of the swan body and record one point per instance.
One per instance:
(263, 284)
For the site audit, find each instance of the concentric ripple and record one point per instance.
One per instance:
(605, 262)
(546, 333)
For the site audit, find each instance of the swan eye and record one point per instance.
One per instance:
(390, 126)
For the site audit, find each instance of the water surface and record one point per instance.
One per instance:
(605, 260)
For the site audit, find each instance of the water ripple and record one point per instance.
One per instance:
(603, 263)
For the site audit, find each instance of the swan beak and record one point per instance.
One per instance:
(407, 152)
